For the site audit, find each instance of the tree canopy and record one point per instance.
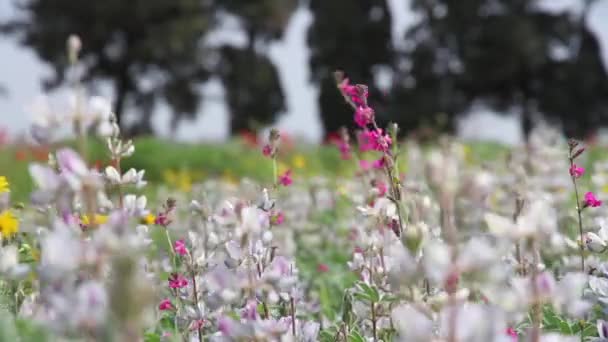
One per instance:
(147, 49)
(504, 54)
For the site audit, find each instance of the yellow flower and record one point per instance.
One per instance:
(228, 177)
(605, 188)
(148, 219)
(9, 225)
(181, 180)
(299, 162)
(97, 219)
(4, 185)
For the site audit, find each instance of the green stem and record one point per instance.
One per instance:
(274, 171)
(580, 218)
(173, 259)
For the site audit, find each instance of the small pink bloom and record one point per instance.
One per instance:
(162, 220)
(378, 164)
(358, 250)
(365, 164)
(344, 150)
(165, 305)
(382, 188)
(180, 247)
(512, 333)
(285, 179)
(267, 150)
(576, 171)
(197, 324)
(347, 88)
(177, 281)
(374, 140)
(322, 268)
(591, 200)
(277, 218)
(364, 116)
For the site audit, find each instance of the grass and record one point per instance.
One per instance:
(181, 164)
(166, 161)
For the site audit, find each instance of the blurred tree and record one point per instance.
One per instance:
(353, 36)
(253, 89)
(503, 54)
(147, 49)
(254, 93)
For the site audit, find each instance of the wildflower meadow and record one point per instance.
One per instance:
(414, 243)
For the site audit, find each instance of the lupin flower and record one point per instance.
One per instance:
(177, 281)
(591, 200)
(602, 330)
(285, 178)
(594, 242)
(576, 171)
(179, 247)
(165, 305)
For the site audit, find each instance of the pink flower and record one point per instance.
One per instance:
(267, 150)
(512, 333)
(285, 178)
(357, 93)
(165, 305)
(363, 116)
(322, 268)
(177, 281)
(576, 171)
(344, 148)
(277, 218)
(591, 200)
(180, 247)
(381, 187)
(374, 140)
(365, 164)
(197, 324)
(378, 164)
(347, 88)
(162, 220)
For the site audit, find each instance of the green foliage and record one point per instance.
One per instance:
(501, 54)
(354, 36)
(124, 42)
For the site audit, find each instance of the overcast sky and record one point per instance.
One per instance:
(21, 71)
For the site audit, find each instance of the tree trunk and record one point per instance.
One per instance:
(121, 87)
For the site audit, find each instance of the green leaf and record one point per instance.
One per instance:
(151, 337)
(369, 291)
(355, 337)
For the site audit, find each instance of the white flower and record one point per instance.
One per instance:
(594, 243)
(411, 324)
(9, 258)
(112, 175)
(129, 177)
(135, 206)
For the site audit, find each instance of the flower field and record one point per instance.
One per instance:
(369, 240)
